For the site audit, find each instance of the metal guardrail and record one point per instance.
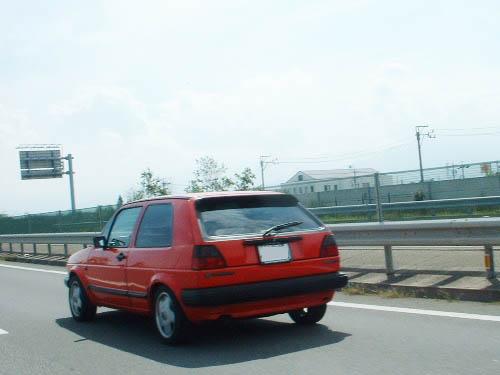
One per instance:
(460, 232)
(484, 232)
(437, 204)
(49, 239)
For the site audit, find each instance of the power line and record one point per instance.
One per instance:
(469, 134)
(346, 156)
(480, 128)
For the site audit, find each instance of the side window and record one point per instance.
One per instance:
(123, 226)
(156, 227)
(107, 226)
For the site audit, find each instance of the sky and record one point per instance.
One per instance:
(126, 85)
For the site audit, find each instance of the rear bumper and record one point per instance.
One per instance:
(226, 295)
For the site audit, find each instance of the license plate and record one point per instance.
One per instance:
(274, 253)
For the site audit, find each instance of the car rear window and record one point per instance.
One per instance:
(230, 216)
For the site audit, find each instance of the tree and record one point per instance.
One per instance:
(209, 176)
(486, 169)
(119, 202)
(419, 195)
(245, 180)
(150, 186)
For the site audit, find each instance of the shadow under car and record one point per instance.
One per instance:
(213, 344)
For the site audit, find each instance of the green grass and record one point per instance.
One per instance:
(391, 292)
(384, 293)
(8, 257)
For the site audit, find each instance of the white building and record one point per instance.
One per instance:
(312, 181)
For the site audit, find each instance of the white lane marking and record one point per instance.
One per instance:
(32, 269)
(491, 318)
(2, 332)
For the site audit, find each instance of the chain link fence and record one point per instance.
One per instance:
(452, 191)
(82, 220)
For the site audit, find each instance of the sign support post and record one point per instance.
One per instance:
(70, 173)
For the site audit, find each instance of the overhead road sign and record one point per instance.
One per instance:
(38, 162)
(44, 162)
(33, 174)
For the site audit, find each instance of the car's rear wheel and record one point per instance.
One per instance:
(81, 308)
(170, 320)
(309, 315)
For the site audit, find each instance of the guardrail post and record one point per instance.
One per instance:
(22, 248)
(10, 247)
(489, 262)
(65, 249)
(49, 249)
(389, 264)
(34, 249)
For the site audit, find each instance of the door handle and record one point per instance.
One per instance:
(121, 256)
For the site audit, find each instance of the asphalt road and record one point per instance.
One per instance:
(363, 335)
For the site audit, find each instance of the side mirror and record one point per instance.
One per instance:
(100, 242)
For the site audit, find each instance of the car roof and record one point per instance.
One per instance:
(211, 194)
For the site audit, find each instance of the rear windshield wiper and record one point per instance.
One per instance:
(278, 227)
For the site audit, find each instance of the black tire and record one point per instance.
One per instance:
(169, 319)
(308, 316)
(80, 306)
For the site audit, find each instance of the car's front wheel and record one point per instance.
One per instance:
(81, 308)
(309, 315)
(169, 318)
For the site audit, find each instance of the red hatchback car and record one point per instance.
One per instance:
(199, 257)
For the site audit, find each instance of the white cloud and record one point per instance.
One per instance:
(87, 96)
(13, 122)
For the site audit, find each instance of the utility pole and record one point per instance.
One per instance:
(164, 185)
(263, 164)
(353, 175)
(420, 135)
(262, 157)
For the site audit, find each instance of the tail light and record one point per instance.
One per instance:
(329, 247)
(207, 257)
